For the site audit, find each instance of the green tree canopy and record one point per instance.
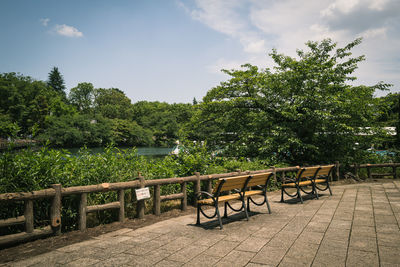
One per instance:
(82, 96)
(304, 111)
(113, 104)
(56, 81)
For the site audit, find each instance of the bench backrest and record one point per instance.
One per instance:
(307, 172)
(325, 170)
(259, 179)
(238, 182)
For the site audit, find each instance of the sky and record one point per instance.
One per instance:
(173, 50)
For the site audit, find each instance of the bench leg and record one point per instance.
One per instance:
(248, 204)
(329, 187)
(225, 210)
(219, 218)
(282, 195)
(315, 191)
(245, 208)
(299, 195)
(198, 214)
(266, 201)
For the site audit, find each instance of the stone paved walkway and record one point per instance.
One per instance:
(357, 226)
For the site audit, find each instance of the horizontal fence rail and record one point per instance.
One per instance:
(56, 193)
(369, 168)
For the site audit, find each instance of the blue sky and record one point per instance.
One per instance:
(174, 50)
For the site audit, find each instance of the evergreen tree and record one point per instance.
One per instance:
(56, 81)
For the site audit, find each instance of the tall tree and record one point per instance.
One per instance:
(305, 111)
(56, 81)
(82, 97)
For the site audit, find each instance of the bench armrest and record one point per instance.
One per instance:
(199, 194)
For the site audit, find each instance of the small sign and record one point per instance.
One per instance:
(142, 193)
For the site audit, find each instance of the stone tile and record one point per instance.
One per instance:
(82, 262)
(363, 243)
(302, 253)
(387, 228)
(362, 258)
(283, 239)
(187, 253)
(221, 248)
(311, 237)
(389, 255)
(330, 256)
(340, 224)
(266, 232)
(178, 244)
(363, 231)
(385, 219)
(269, 255)
(116, 260)
(203, 260)
(209, 240)
(240, 258)
(252, 244)
(167, 263)
(389, 239)
(150, 259)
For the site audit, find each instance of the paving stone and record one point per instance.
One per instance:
(82, 262)
(387, 228)
(340, 224)
(385, 219)
(362, 258)
(167, 263)
(388, 239)
(363, 231)
(363, 243)
(389, 255)
(221, 248)
(330, 255)
(203, 260)
(187, 253)
(240, 258)
(269, 255)
(283, 239)
(311, 237)
(302, 253)
(178, 244)
(252, 244)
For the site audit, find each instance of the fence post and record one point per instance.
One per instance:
(369, 172)
(274, 174)
(82, 211)
(55, 212)
(337, 166)
(197, 187)
(140, 205)
(28, 213)
(121, 199)
(356, 170)
(156, 200)
(394, 172)
(184, 199)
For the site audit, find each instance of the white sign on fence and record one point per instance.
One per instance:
(142, 193)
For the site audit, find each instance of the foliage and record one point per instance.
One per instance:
(56, 81)
(82, 96)
(113, 104)
(303, 112)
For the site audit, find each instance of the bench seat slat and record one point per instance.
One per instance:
(305, 183)
(209, 201)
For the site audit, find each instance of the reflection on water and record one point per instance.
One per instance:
(142, 151)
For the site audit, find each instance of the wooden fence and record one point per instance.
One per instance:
(369, 168)
(56, 193)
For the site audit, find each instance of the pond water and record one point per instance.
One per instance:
(142, 151)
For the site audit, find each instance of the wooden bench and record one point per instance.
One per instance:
(240, 186)
(308, 177)
(304, 178)
(322, 177)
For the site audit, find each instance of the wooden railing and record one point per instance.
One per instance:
(56, 193)
(369, 168)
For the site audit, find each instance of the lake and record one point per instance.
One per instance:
(142, 151)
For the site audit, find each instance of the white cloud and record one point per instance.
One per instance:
(45, 21)
(68, 31)
(260, 25)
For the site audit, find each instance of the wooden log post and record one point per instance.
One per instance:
(121, 199)
(28, 214)
(157, 200)
(197, 187)
(82, 211)
(337, 170)
(283, 177)
(140, 205)
(394, 172)
(369, 172)
(209, 184)
(184, 199)
(356, 170)
(274, 174)
(55, 212)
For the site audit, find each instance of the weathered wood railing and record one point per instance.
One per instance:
(56, 193)
(369, 167)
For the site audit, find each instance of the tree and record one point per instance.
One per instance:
(56, 81)
(82, 97)
(113, 103)
(304, 111)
